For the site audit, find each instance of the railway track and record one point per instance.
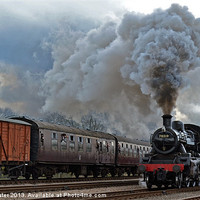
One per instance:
(142, 193)
(79, 190)
(193, 198)
(121, 195)
(64, 186)
(55, 191)
(58, 180)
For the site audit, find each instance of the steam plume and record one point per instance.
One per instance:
(125, 67)
(165, 48)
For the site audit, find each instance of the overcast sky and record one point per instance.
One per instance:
(25, 24)
(145, 6)
(53, 54)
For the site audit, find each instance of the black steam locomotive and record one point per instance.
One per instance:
(175, 156)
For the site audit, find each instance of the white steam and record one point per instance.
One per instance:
(124, 68)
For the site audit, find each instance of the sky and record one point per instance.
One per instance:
(74, 56)
(148, 7)
(22, 18)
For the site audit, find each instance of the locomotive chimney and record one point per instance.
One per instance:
(167, 121)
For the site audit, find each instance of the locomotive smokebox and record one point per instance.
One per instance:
(167, 123)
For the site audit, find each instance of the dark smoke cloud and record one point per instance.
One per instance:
(165, 48)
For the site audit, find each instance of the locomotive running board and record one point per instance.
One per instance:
(168, 167)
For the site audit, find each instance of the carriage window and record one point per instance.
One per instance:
(104, 146)
(131, 146)
(126, 153)
(88, 140)
(144, 150)
(130, 152)
(100, 146)
(54, 136)
(54, 141)
(88, 145)
(107, 146)
(63, 143)
(72, 143)
(112, 148)
(80, 139)
(71, 138)
(80, 144)
(122, 149)
(42, 139)
(138, 152)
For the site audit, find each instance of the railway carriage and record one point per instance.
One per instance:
(130, 152)
(45, 149)
(58, 148)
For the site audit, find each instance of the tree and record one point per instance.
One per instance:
(94, 121)
(57, 118)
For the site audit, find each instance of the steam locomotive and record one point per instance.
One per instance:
(175, 156)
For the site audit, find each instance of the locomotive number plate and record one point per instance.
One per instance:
(163, 136)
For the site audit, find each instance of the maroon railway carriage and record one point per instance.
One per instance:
(57, 148)
(130, 152)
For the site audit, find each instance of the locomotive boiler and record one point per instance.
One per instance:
(174, 159)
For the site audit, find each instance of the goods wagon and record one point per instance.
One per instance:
(14, 145)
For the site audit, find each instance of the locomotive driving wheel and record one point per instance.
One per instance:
(197, 182)
(178, 180)
(149, 184)
(187, 181)
(192, 183)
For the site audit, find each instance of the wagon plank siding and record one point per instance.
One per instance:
(15, 141)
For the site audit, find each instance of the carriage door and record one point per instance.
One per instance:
(100, 151)
(99, 148)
